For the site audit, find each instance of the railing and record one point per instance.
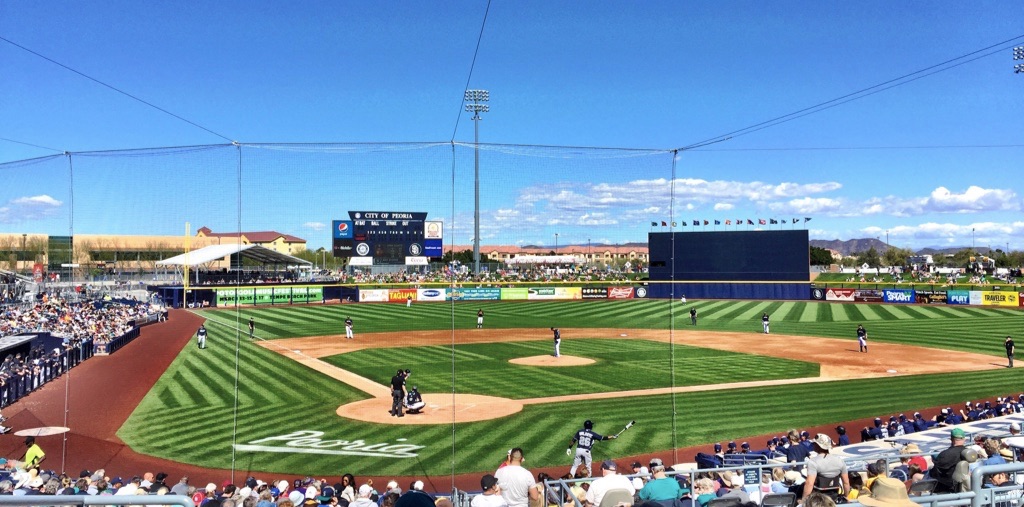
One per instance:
(980, 495)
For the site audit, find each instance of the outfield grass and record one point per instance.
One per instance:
(189, 416)
(621, 365)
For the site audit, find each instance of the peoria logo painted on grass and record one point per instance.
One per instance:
(310, 442)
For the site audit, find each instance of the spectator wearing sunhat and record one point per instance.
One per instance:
(826, 472)
(887, 492)
(944, 465)
(363, 500)
(660, 487)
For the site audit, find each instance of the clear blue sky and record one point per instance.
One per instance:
(935, 162)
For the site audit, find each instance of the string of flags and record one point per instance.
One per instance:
(738, 221)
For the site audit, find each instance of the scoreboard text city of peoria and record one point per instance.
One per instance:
(387, 238)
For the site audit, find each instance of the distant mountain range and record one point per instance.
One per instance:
(856, 246)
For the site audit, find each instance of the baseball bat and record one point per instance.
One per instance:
(628, 426)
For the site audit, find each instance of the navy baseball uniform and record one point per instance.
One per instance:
(584, 440)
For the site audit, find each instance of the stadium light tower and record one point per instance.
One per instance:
(473, 98)
(1018, 55)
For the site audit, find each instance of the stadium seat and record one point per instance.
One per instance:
(779, 500)
(616, 496)
(725, 502)
(923, 487)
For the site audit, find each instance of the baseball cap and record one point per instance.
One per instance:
(656, 462)
(296, 497)
(732, 445)
(718, 447)
(957, 433)
(609, 465)
(487, 482)
(1015, 426)
(636, 464)
(744, 445)
(365, 490)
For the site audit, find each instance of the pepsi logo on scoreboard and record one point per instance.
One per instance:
(342, 229)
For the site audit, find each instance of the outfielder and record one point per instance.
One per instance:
(201, 337)
(348, 328)
(558, 343)
(480, 318)
(862, 338)
(583, 440)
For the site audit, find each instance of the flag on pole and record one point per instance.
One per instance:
(728, 222)
(772, 221)
(796, 220)
(807, 219)
(750, 222)
(760, 221)
(673, 224)
(696, 222)
(783, 220)
(718, 222)
(654, 224)
(663, 224)
(705, 222)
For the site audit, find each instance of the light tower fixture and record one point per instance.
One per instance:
(474, 104)
(1018, 55)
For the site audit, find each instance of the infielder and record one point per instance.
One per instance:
(252, 328)
(693, 316)
(1009, 350)
(348, 328)
(201, 337)
(480, 318)
(583, 440)
(764, 322)
(558, 343)
(862, 338)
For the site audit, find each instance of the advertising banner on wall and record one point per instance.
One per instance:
(595, 293)
(299, 295)
(316, 294)
(975, 297)
(282, 295)
(839, 294)
(640, 292)
(999, 298)
(930, 296)
(902, 296)
(373, 295)
(401, 295)
(620, 293)
(431, 294)
(515, 293)
(868, 296)
(264, 296)
(488, 294)
(958, 297)
(818, 294)
(541, 293)
(1020, 298)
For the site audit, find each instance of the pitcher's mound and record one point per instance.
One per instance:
(441, 408)
(552, 361)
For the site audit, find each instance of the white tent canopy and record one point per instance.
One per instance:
(217, 252)
(542, 259)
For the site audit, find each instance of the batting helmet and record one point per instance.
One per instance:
(588, 424)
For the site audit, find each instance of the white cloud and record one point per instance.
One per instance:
(316, 226)
(941, 200)
(29, 208)
(723, 206)
(983, 232)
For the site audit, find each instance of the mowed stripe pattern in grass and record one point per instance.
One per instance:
(189, 415)
(620, 365)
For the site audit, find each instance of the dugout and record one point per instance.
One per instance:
(730, 264)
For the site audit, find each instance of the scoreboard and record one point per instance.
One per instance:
(378, 238)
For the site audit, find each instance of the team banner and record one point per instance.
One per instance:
(515, 293)
(373, 295)
(902, 296)
(488, 294)
(839, 294)
(818, 294)
(595, 293)
(931, 297)
(999, 298)
(431, 295)
(958, 297)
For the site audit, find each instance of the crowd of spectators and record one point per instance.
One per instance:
(99, 321)
(579, 274)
